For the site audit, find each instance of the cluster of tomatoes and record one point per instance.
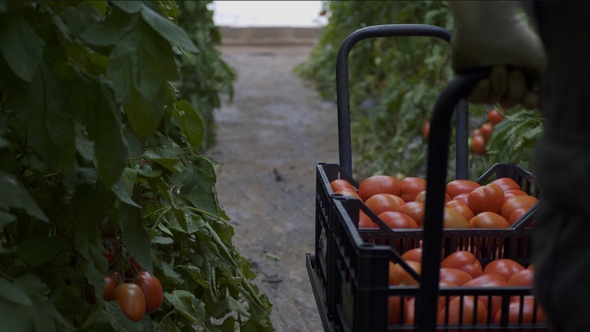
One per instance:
(480, 136)
(468, 204)
(463, 269)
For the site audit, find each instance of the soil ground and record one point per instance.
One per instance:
(269, 141)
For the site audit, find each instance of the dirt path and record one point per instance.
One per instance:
(269, 141)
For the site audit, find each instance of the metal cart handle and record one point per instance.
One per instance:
(343, 95)
(436, 173)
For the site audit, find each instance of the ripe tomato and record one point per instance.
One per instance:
(421, 197)
(380, 203)
(453, 219)
(478, 144)
(365, 221)
(131, 300)
(516, 215)
(463, 198)
(505, 267)
(460, 207)
(508, 194)
(517, 202)
(455, 276)
(394, 309)
(340, 184)
(465, 261)
(415, 210)
(488, 219)
(426, 129)
(457, 187)
(398, 276)
(486, 130)
(489, 280)
(494, 116)
(522, 278)
(410, 187)
(394, 219)
(506, 183)
(486, 198)
(526, 311)
(108, 287)
(470, 311)
(348, 193)
(414, 255)
(378, 184)
(410, 312)
(152, 289)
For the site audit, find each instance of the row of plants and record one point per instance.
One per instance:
(394, 83)
(105, 110)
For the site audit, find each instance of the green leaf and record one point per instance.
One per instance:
(19, 44)
(130, 7)
(44, 313)
(120, 322)
(183, 302)
(14, 195)
(12, 293)
(107, 32)
(79, 18)
(123, 188)
(90, 205)
(6, 219)
(162, 240)
(135, 236)
(40, 250)
(174, 34)
(197, 275)
(197, 184)
(191, 124)
(89, 246)
(15, 317)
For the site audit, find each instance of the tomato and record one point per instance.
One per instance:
(466, 308)
(505, 267)
(108, 287)
(486, 130)
(506, 183)
(524, 311)
(455, 276)
(378, 184)
(453, 219)
(516, 215)
(398, 276)
(380, 203)
(486, 198)
(517, 202)
(152, 289)
(478, 144)
(340, 184)
(415, 210)
(462, 197)
(522, 278)
(421, 197)
(394, 219)
(348, 193)
(457, 187)
(460, 207)
(426, 129)
(409, 310)
(399, 200)
(508, 194)
(465, 261)
(365, 221)
(494, 116)
(410, 187)
(414, 255)
(394, 309)
(489, 280)
(131, 300)
(488, 219)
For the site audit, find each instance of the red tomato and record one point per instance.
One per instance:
(505, 267)
(394, 309)
(415, 210)
(506, 183)
(340, 184)
(478, 144)
(414, 255)
(426, 129)
(522, 278)
(152, 289)
(108, 287)
(378, 184)
(486, 198)
(488, 219)
(486, 130)
(348, 193)
(455, 276)
(516, 215)
(365, 221)
(131, 300)
(411, 187)
(463, 198)
(494, 116)
(526, 311)
(399, 200)
(453, 219)
(472, 311)
(421, 197)
(465, 261)
(457, 187)
(517, 202)
(409, 312)
(380, 203)
(394, 219)
(460, 207)
(489, 280)
(399, 276)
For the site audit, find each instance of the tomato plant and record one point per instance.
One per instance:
(131, 300)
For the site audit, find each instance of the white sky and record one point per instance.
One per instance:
(268, 13)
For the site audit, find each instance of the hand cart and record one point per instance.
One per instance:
(349, 268)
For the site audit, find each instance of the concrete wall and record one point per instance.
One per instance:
(269, 36)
